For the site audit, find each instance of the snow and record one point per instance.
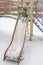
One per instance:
(33, 51)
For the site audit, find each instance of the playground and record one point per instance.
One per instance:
(21, 32)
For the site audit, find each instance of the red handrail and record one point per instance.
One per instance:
(22, 45)
(11, 40)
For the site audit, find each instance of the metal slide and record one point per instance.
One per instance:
(15, 50)
(37, 23)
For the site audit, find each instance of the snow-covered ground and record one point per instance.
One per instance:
(33, 51)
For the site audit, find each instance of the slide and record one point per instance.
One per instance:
(15, 50)
(37, 23)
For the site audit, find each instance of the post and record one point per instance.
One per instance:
(31, 15)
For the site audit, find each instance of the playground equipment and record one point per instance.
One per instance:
(13, 52)
(8, 8)
(23, 10)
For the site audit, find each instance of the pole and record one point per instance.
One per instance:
(31, 15)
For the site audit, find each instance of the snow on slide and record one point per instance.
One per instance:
(17, 44)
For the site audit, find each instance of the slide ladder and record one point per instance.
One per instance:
(36, 21)
(40, 20)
